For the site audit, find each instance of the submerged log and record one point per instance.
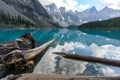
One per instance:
(110, 62)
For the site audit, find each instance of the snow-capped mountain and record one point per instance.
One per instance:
(88, 15)
(107, 13)
(56, 14)
(54, 11)
(69, 16)
(93, 14)
(61, 16)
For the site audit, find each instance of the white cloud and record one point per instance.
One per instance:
(83, 7)
(68, 4)
(59, 3)
(73, 4)
(44, 2)
(115, 4)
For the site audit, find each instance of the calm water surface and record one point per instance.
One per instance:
(105, 44)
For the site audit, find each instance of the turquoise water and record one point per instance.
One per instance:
(115, 34)
(87, 36)
(105, 44)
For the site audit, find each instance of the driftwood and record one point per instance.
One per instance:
(5, 49)
(59, 77)
(25, 42)
(22, 63)
(28, 54)
(79, 57)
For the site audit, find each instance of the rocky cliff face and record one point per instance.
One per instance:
(32, 9)
(11, 11)
(61, 16)
(56, 14)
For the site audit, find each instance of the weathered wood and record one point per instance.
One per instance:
(30, 54)
(79, 57)
(60, 77)
(4, 49)
(25, 42)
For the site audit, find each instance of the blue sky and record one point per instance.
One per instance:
(83, 4)
(91, 2)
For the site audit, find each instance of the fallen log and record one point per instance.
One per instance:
(25, 42)
(59, 77)
(16, 65)
(28, 54)
(110, 62)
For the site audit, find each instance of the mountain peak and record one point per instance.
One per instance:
(62, 9)
(52, 5)
(106, 8)
(92, 9)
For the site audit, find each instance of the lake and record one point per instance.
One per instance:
(105, 44)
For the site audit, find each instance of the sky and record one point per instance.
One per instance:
(81, 5)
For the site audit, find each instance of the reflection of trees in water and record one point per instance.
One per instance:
(57, 66)
(93, 69)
